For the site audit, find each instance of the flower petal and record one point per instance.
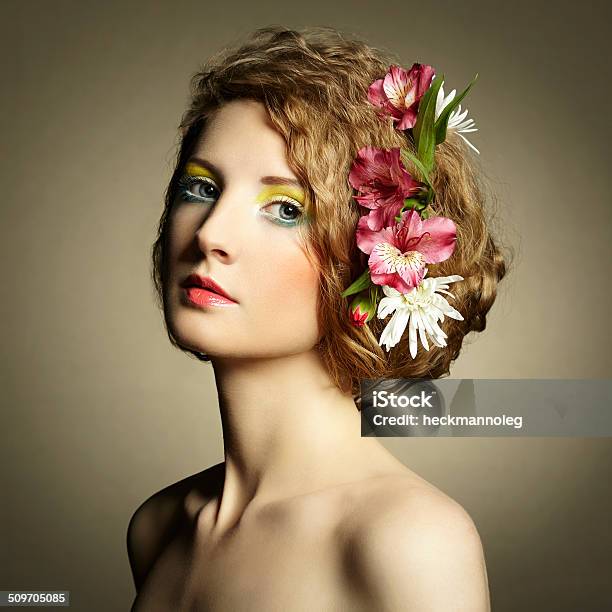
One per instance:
(387, 305)
(442, 102)
(390, 291)
(376, 94)
(416, 315)
(439, 244)
(384, 216)
(444, 280)
(392, 280)
(367, 238)
(392, 333)
(411, 274)
(412, 340)
(397, 86)
(469, 143)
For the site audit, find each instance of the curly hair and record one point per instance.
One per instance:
(314, 83)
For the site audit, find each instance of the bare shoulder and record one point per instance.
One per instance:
(157, 519)
(415, 548)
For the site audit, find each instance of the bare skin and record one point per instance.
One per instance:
(307, 552)
(304, 513)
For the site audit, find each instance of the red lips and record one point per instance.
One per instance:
(195, 280)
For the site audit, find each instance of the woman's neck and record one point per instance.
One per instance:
(287, 430)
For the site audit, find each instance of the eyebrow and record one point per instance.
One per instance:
(265, 180)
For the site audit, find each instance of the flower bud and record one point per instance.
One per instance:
(362, 310)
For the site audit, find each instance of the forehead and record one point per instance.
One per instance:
(240, 136)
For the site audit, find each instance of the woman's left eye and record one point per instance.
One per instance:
(284, 211)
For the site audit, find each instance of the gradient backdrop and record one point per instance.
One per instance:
(99, 411)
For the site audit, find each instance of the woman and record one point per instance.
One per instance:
(255, 248)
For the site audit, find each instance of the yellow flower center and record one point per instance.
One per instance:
(397, 261)
(403, 96)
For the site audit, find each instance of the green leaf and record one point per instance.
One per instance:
(407, 156)
(424, 129)
(363, 282)
(374, 289)
(374, 292)
(416, 130)
(411, 203)
(442, 122)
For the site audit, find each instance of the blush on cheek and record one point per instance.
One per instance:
(288, 290)
(297, 276)
(284, 270)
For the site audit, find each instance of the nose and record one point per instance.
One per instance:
(220, 234)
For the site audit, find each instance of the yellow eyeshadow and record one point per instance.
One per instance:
(291, 192)
(193, 169)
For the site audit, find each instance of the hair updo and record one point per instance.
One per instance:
(314, 85)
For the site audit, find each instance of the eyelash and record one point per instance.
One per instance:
(188, 181)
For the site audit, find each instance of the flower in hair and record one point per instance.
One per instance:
(457, 120)
(398, 254)
(399, 92)
(398, 232)
(382, 179)
(419, 310)
(363, 308)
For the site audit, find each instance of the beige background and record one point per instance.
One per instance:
(99, 411)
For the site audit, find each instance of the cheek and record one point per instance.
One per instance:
(180, 232)
(289, 286)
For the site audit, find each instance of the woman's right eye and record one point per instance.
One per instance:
(197, 189)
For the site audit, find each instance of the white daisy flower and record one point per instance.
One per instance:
(457, 120)
(419, 309)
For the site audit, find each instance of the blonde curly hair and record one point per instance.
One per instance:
(314, 83)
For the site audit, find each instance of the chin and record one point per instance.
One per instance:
(219, 338)
(250, 351)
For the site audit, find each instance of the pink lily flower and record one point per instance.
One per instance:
(399, 92)
(380, 176)
(398, 254)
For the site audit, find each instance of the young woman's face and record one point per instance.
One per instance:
(234, 220)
